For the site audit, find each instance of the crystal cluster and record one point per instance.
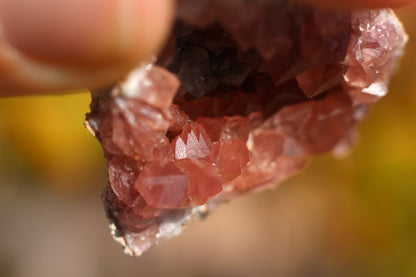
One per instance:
(242, 95)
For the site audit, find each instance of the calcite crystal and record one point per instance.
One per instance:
(242, 95)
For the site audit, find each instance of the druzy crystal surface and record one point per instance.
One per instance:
(242, 95)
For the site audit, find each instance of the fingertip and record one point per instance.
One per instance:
(143, 27)
(58, 45)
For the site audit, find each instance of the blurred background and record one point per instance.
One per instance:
(354, 216)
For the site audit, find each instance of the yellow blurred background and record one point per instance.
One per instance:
(354, 216)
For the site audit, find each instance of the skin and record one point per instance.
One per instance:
(50, 46)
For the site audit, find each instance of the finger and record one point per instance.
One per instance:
(50, 45)
(354, 4)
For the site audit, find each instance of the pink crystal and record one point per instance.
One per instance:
(163, 186)
(204, 180)
(230, 156)
(193, 143)
(122, 173)
(242, 95)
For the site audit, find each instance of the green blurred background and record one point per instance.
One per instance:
(354, 216)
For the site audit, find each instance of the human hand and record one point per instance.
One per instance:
(49, 45)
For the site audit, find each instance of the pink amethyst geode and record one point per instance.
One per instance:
(242, 95)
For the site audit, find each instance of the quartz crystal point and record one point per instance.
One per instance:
(242, 95)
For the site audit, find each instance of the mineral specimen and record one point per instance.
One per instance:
(242, 95)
